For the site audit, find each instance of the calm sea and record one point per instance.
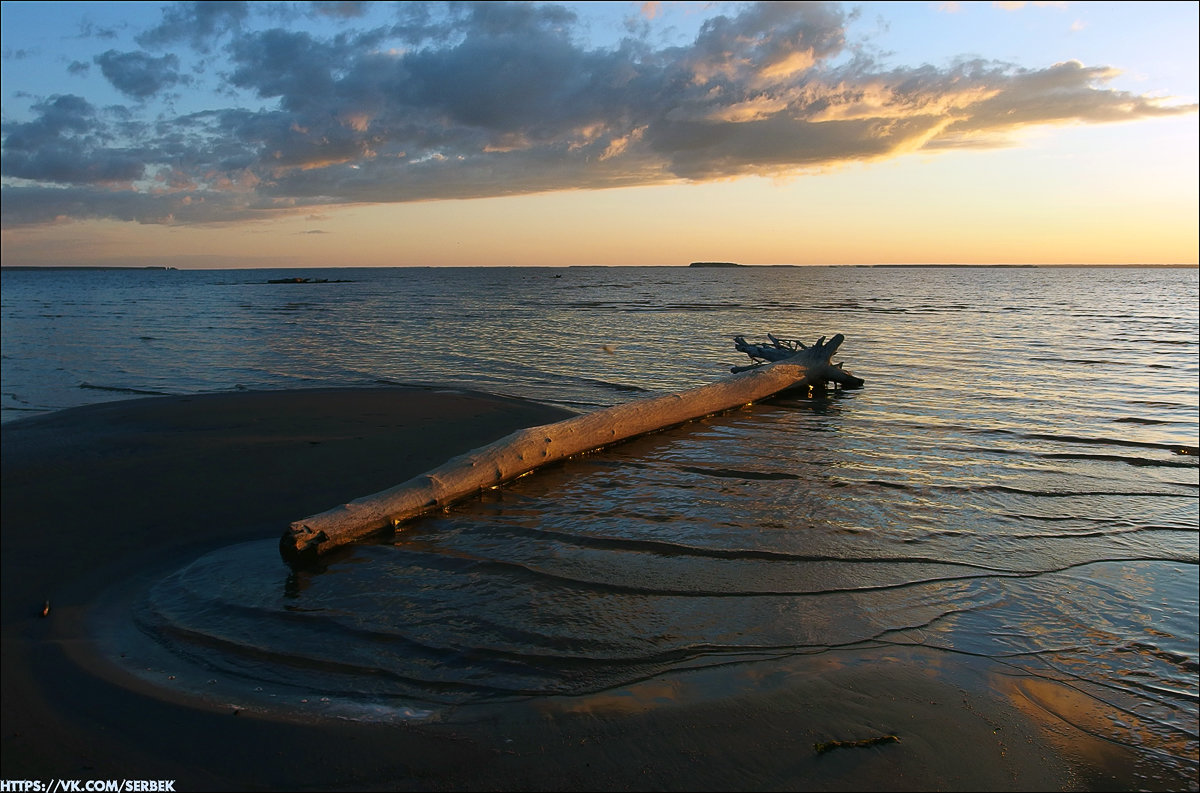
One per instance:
(1017, 482)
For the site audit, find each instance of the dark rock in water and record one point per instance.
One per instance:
(715, 264)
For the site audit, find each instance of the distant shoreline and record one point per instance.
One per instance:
(82, 267)
(955, 266)
(1038, 266)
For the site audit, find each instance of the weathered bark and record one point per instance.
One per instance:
(524, 450)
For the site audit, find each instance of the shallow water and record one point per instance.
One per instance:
(1017, 482)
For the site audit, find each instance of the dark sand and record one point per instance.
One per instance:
(110, 496)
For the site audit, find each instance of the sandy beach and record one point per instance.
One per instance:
(104, 498)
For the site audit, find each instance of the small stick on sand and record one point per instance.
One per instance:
(829, 746)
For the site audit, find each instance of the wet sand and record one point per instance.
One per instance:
(103, 499)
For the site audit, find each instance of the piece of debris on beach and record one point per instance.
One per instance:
(829, 746)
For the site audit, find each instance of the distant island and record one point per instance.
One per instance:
(715, 264)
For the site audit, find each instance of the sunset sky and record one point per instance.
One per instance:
(225, 134)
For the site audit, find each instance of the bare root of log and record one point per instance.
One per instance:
(782, 349)
(776, 351)
(524, 450)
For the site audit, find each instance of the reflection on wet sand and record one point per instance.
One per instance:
(1098, 736)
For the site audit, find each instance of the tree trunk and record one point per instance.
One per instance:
(524, 450)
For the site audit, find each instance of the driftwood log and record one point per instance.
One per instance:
(781, 366)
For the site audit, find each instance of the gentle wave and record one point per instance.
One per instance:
(123, 390)
(1116, 458)
(1056, 438)
(1023, 491)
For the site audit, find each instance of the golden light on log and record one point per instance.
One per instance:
(783, 365)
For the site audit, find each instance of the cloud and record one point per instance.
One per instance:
(1064, 92)
(196, 23)
(64, 147)
(1017, 5)
(139, 75)
(90, 30)
(492, 99)
(345, 8)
